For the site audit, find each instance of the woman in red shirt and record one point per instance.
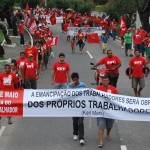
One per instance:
(80, 37)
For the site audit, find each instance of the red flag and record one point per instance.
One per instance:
(32, 28)
(93, 38)
(54, 41)
(53, 19)
(27, 6)
(123, 21)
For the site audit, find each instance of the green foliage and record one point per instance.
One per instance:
(84, 7)
(61, 4)
(100, 2)
(1, 36)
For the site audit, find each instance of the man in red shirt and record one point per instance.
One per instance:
(20, 64)
(137, 40)
(137, 64)
(31, 50)
(112, 63)
(21, 60)
(21, 32)
(37, 33)
(61, 73)
(143, 34)
(113, 26)
(105, 123)
(122, 32)
(8, 81)
(30, 73)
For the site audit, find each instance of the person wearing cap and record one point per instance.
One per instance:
(30, 73)
(128, 43)
(136, 65)
(60, 73)
(21, 32)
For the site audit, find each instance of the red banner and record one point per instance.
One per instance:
(11, 103)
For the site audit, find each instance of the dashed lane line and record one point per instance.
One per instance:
(123, 147)
(89, 54)
(2, 130)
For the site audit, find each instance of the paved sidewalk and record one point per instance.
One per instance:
(14, 52)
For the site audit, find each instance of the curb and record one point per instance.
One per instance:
(29, 35)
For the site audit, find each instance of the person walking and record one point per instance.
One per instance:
(128, 43)
(105, 123)
(80, 37)
(21, 32)
(104, 42)
(147, 47)
(8, 81)
(78, 124)
(60, 73)
(136, 65)
(112, 63)
(30, 73)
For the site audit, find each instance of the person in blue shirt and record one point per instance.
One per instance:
(104, 39)
(78, 124)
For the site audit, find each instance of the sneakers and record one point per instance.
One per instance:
(81, 142)
(122, 47)
(75, 137)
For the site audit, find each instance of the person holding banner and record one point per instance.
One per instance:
(105, 123)
(61, 73)
(136, 65)
(8, 81)
(78, 125)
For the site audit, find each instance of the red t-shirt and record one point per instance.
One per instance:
(61, 70)
(143, 33)
(110, 63)
(21, 28)
(137, 38)
(72, 43)
(80, 36)
(147, 43)
(37, 34)
(122, 31)
(30, 69)
(20, 62)
(32, 50)
(109, 89)
(7, 81)
(137, 64)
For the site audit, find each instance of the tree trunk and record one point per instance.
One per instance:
(144, 17)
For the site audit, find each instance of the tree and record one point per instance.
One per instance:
(118, 8)
(143, 7)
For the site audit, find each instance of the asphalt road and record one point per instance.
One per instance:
(56, 133)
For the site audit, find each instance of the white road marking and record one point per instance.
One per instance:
(89, 54)
(123, 147)
(2, 130)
